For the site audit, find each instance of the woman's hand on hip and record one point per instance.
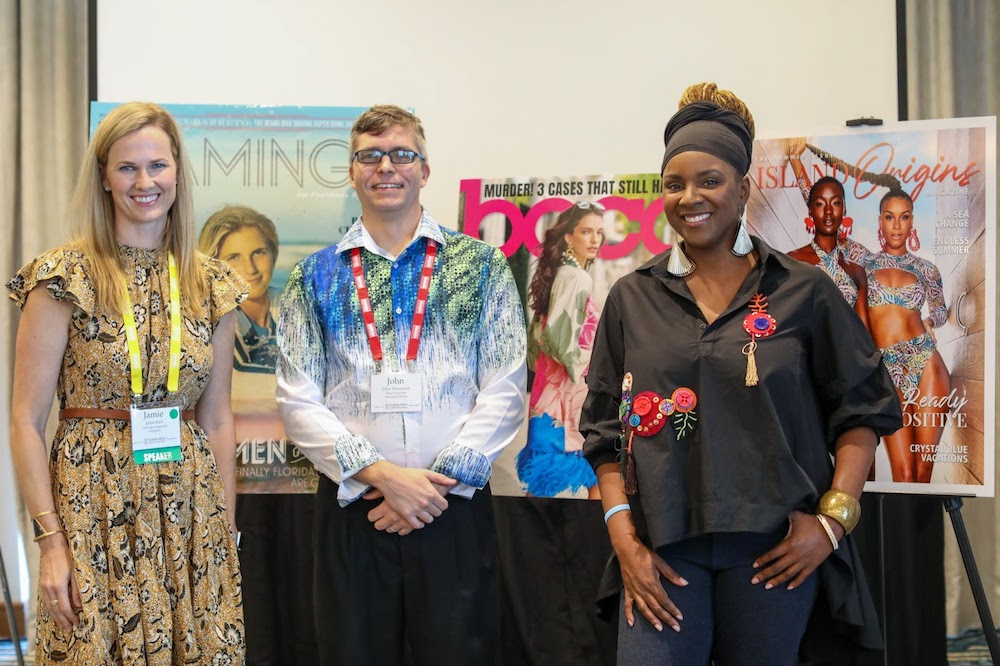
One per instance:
(797, 555)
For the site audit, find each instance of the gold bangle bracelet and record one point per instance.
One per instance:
(43, 535)
(40, 530)
(842, 507)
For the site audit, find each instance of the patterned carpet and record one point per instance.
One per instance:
(968, 649)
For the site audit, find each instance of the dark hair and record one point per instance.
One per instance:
(826, 180)
(895, 194)
(553, 246)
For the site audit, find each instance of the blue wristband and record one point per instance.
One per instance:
(615, 509)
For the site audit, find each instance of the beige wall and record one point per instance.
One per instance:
(520, 87)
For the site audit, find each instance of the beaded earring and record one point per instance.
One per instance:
(913, 242)
(569, 257)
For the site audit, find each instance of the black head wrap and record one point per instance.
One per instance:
(708, 128)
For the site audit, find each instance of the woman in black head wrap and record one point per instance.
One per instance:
(724, 375)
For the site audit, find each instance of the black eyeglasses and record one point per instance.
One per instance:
(396, 156)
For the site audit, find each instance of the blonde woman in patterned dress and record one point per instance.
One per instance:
(138, 558)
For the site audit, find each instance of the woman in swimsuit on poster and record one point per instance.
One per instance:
(899, 283)
(850, 249)
(827, 221)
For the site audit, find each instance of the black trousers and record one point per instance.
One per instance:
(426, 598)
(276, 559)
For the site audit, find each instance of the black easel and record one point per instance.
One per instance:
(953, 505)
(11, 620)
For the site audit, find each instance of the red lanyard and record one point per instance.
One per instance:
(419, 310)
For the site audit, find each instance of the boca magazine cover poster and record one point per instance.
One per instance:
(615, 223)
(271, 187)
(912, 212)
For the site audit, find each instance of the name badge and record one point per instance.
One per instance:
(156, 433)
(396, 392)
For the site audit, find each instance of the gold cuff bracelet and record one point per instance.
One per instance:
(842, 507)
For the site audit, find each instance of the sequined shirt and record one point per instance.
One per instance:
(471, 359)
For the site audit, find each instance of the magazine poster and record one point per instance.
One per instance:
(617, 224)
(929, 295)
(918, 217)
(271, 188)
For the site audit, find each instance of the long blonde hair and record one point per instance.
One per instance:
(94, 209)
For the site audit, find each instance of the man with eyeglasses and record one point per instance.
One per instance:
(402, 378)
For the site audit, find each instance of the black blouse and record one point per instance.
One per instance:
(755, 453)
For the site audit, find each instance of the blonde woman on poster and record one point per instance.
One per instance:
(560, 338)
(248, 242)
(899, 285)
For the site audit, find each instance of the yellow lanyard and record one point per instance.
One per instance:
(132, 335)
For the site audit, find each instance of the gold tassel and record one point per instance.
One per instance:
(748, 350)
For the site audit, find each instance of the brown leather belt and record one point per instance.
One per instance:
(115, 414)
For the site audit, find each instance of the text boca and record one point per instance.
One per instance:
(523, 226)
